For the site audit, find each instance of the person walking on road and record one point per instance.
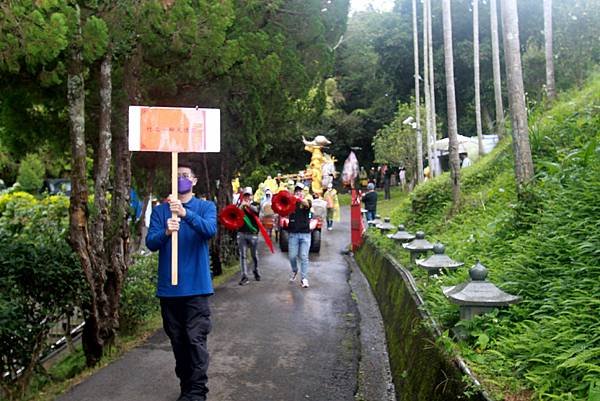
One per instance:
(386, 172)
(402, 178)
(184, 307)
(370, 200)
(247, 236)
(299, 235)
(333, 206)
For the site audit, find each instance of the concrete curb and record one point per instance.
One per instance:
(374, 374)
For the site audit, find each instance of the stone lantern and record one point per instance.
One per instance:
(418, 246)
(385, 226)
(478, 295)
(377, 220)
(401, 235)
(438, 261)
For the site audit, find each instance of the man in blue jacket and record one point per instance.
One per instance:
(184, 307)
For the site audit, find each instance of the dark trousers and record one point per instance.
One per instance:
(386, 189)
(186, 321)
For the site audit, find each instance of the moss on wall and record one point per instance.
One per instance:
(420, 369)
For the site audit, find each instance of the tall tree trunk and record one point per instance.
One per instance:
(119, 232)
(451, 105)
(100, 240)
(550, 85)
(426, 89)
(516, 94)
(435, 171)
(496, 69)
(476, 73)
(419, 133)
(78, 210)
(486, 119)
(102, 322)
(103, 159)
(206, 174)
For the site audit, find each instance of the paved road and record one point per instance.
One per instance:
(271, 340)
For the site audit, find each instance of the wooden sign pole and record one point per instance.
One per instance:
(174, 235)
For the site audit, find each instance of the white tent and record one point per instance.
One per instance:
(466, 144)
(469, 144)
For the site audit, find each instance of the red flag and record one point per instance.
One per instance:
(264, 233)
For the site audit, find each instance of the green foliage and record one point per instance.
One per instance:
(365, 101)
(38, 41)
(396, 142)
(8, 167)
(31, 173)
(544, 248)
(434, 196)
(138, 298)
(40, 280)
(375, 70)
(32, 117)
(95, 38)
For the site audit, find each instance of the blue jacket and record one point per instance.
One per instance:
(195, 229)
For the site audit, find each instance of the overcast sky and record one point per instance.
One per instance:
(361, 5)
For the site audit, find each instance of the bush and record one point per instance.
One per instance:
(31, 173)
(138, 299)
(40, 281)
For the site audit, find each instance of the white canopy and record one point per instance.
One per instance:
(466, 144)
(469, 145)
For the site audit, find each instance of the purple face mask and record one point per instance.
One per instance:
(184, 185)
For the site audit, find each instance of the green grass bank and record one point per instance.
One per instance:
(544, 247)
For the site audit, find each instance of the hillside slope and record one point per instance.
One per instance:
(545, 247)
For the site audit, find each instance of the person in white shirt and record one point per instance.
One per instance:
(465, 161)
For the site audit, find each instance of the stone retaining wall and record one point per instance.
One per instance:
(420, 368)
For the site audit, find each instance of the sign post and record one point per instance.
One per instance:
(174, 234)
(174, 130)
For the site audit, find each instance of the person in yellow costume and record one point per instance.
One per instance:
(260, 192)
(363, 177)
(427, 173)
(333, 206)
(235, 184)
(271, 184)
(282, 186)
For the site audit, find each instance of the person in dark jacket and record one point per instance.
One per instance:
(386, 172)
(247, 236)
(370, 201)
(184, 307)
(299, 235)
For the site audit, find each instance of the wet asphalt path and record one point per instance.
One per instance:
(271, 340)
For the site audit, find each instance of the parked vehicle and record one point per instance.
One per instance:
(315, 233)
(55, 186)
